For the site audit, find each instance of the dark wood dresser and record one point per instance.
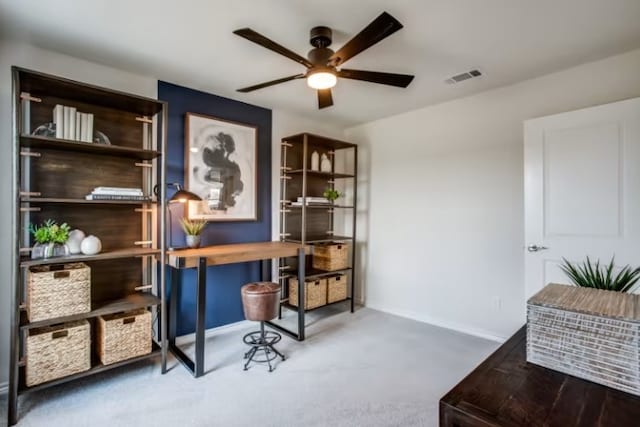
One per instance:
(507, 391)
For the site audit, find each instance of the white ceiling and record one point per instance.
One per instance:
(190, 42)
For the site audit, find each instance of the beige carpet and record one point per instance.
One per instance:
(362, 369)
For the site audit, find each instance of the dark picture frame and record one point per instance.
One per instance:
(220, 166)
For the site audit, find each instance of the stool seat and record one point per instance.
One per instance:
(261, 288)
(260, 302)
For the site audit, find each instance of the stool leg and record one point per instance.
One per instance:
(277, 352)
(251, 353)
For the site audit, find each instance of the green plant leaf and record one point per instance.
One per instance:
(590, 275)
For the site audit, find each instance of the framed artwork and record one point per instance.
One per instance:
(221, 168)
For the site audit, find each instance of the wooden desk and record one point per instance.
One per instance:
(219, 255)
(507, 391)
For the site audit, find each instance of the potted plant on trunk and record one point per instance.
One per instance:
(588, 275)
(193, 229)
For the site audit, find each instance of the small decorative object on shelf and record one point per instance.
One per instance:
(315, 161)
(75, 240)
(91, 245)
(48, 130)
(331, 195)
(50, 239)
(325, 164)
(192, 229)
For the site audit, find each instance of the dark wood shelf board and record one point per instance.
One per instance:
(114, 254)
(328, 175)
(50, 200)
(312, 273)
(317, 238)
(294, 308)
(320, 206)
(128, 303)
(33, 141)
(43, 85)
(96, 367)
(321, 141)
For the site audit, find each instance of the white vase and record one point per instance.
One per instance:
(91, 245)
(75, 240)
(325, 164)
(315, 161)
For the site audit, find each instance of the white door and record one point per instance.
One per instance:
(582, 190)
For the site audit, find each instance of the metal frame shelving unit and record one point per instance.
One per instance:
(51, 177)
(310, 224)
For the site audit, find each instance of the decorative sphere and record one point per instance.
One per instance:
(91, 245)
(74, 241)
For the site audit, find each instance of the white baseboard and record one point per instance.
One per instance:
(420, 317)
(4, 388)
(190, 338)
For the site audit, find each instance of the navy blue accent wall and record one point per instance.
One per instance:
(224, 305)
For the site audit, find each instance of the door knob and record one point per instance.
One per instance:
(536, 248)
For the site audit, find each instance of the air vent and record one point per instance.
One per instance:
(462, 77)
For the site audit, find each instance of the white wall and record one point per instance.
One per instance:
(23, 55)
(443, 190)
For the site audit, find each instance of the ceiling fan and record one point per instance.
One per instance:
(324, 65)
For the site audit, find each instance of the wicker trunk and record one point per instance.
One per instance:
(58, 290)
(315, 294)
(330, 256)
(336, 288)
(57, 351)
(122, 336)
(588, 333)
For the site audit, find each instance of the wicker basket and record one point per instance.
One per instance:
(331, 256)
(58, 290)
(336, 288)
(123, 336)
(315, 294)
(588, 333)
(57, 351)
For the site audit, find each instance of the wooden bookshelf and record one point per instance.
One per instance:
(52, 176)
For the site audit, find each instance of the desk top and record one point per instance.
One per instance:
(505, 390)
(233, 253)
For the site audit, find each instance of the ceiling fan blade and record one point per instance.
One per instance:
(325, 99)
(271, 83)
(380, 28)
(257, 38)
(391, 79)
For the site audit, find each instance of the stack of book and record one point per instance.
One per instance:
(117, 193)
(72, 124)
(312, 201)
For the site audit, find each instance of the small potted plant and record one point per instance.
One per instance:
(50, 239)
(331, 195)
(192, 228)
(588, 275)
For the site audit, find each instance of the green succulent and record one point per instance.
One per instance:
(331, 194)
(192, 227)
(50, 232)
(588, 275)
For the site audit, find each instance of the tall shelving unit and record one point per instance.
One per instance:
(312, 224)
(51, 177)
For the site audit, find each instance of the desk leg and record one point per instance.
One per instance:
(301, 291)
(200, 316)
(174, 297)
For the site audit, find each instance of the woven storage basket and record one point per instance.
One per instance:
(336, 288)
(588, 333)
(58, 290)
(330, 256)
(57, 351)
(315, 294)
(122, 336)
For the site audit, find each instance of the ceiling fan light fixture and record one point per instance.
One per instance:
(322, 79)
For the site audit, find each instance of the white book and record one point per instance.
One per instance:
(90, 127)
(66, 122)
(117, 189)
(117, 193)
(78, 114)
(83, 127)
(72, 123)
(58, 119)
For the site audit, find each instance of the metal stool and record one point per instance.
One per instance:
(260, 302)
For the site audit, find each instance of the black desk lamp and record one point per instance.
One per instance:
(180, 196)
